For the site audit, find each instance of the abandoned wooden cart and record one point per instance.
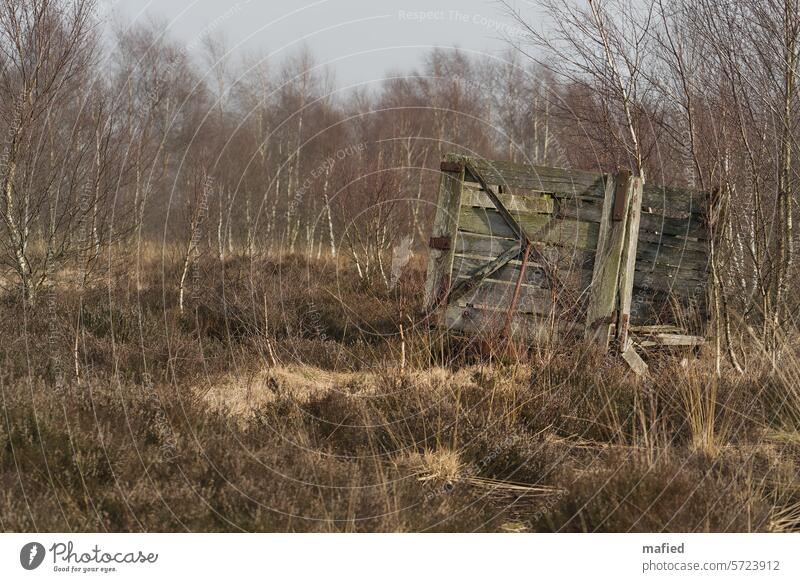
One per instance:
(523, 251)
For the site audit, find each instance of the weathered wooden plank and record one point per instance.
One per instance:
(605, 278)
(692, 227)
(445, 224)
(540, 227)
(590, 196)
(635, 361)
(577, 181)
(653, 329)
(633, 210)
(578, 209)
(538, 178)
(480, 272)
(510, 220)
(499, 294)
(649, 255)
(535, 274)
(669, 241)
(487, 324)
(676, 199)
(671, 339)
(685, 272)
(533, 204)
(663, 307)
(478, 245)
(660, 281)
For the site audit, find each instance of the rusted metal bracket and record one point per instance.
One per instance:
(610, 320)
(622, 331)
(621, 196)
(441, 243)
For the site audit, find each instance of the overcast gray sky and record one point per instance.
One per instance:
(361, 40)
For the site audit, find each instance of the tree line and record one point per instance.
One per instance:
(117, 136)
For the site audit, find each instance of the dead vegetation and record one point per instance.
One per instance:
(297, 415)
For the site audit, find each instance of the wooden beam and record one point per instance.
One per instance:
(493, 294)
(445, 224)
(672, 340)
(633, 210)
(635, 361)
(537, 178)
(675, 199)
(600, 315)
(532, 204)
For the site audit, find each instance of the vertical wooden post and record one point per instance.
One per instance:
(601, 315)
(614, 267)
(443, 233)
(628, 261)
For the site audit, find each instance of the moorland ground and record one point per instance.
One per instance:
(293, 395)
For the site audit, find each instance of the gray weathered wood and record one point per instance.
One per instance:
(494, 294)
(651, 254)
(510, 220)
(541, 227)
(605, 277)
(653, 329)
(662, 281)
(487, 323)
(628, 260)
(445, 224)
(481, 272)
(541, 203)
(686, 272)
(651, 306)
(676, 199)
(676, 242)
(671, 340)
(564, 259)
(576, 277)
(692, 227)
(635, 361)
(539, 178)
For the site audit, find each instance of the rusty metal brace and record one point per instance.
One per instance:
(517, 288)
(526, 242)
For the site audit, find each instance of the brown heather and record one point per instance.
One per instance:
(279, 401)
